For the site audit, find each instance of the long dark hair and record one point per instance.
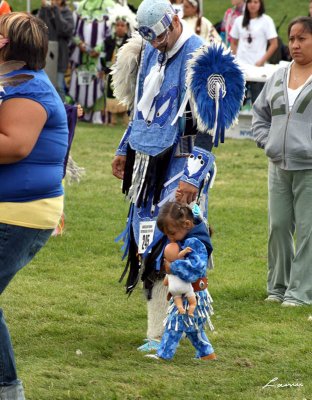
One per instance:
(246, 18)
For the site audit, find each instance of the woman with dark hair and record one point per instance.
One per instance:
(193, 16)
(33, 145)
(254, 38)
(282, 127)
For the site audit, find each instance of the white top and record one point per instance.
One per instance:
(293, 93)
(207, 30)
(253, 40)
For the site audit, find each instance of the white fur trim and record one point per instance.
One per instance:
(156, 311)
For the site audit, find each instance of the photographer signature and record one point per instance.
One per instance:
(273, 384)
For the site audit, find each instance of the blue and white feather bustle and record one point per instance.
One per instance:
(216, 87)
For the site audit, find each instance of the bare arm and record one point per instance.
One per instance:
(273, 45)
(186, 193)
(184, 252)
(234, 45)
(21, 122)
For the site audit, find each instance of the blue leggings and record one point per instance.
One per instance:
(171, 339)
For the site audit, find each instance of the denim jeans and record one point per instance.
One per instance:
(12, 392)
(18, 246)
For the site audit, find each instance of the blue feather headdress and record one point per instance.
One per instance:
(216, 86)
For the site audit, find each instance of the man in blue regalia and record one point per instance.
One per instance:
(162, 156)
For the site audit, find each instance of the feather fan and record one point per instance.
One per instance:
(216, 86)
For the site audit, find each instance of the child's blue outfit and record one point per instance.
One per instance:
(190, 269)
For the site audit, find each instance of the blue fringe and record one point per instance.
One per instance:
(157, 237)
(125, 234)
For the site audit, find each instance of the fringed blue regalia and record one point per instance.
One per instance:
(163, 146)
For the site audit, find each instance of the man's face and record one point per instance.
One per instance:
(168, 38)
(121, 28)
(161, 42)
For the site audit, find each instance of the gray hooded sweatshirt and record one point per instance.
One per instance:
(285, 136)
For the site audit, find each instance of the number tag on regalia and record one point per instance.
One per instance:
(147, 229)
(84, 78)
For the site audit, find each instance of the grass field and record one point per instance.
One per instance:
(75, 332)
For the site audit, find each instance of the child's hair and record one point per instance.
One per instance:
(173, 211)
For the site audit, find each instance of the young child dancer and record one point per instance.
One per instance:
(180, 226)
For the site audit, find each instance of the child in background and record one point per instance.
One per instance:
(180, 226)
(121, 32)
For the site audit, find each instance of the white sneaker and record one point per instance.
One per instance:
(273, 299)
(154, 356)
(290, 304)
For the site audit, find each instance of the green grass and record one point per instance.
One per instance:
(69, 298)
(214, 10)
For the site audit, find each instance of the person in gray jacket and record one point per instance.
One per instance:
(59, 19)
(282, 126)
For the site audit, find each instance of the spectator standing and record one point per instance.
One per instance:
(32, 145)
(251, 34)
(282, 127)
(193, 16)
(59, 20)
(230, 16)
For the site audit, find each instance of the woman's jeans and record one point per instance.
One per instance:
(18, 246)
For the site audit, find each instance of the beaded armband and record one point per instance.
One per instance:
(198, 165)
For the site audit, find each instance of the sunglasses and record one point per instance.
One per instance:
(249, 39)
(161, 38)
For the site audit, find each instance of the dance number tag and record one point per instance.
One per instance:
(147, 229)
(84, 78)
